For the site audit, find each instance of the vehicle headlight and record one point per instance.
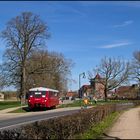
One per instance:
(43, 95)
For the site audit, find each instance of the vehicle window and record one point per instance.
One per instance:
(53, 94)
(50, 94)
(37, 94)
(43, 92)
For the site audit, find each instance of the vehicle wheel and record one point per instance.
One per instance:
(54, 107)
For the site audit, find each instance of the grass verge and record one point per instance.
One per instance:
(96, 131)
(9, 104)
(78, 103)
(19, 110)
(75, 104)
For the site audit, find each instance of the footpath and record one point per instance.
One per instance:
(127, 126)
(9, 109)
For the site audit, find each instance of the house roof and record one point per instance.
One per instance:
(97, 76)
(122, 88)
(86, 86)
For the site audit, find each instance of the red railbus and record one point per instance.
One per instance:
(42, 97)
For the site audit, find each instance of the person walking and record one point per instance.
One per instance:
(85, 102)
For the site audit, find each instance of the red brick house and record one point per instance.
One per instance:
(96, 88)
(71, 94)
(127, 91)
(97, 85)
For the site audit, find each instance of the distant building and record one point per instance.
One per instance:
(85, 89)
(71, 94)
(10, 95)
(97, 85)
(127, 91)
(96, 88)
(1, 97)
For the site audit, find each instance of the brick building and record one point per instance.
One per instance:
(128, 91)
(96, 88)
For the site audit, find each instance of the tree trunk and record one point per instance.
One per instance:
(105, 93)
(23, 82)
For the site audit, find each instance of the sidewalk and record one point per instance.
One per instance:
(127, 126)
(9, 109)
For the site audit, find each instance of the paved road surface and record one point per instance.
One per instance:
(8, 120)
(13, 122)
(127, 126)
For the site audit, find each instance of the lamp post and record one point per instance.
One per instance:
(83, 76)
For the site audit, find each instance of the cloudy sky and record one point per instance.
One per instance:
(84, 31)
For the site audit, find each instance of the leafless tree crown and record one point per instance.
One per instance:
(23, 34)
(113, 71)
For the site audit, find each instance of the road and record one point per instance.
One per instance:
(127, 126)
(12, 120)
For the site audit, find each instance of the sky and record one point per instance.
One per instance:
(84, 31)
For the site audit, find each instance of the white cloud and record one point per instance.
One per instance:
(125, 23)
(115, 45)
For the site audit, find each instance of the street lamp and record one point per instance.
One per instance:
(83, 76)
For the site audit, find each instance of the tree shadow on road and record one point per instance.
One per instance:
(27, 109)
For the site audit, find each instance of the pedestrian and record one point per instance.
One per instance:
(85, 102)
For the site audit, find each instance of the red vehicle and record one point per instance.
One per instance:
(43, 98)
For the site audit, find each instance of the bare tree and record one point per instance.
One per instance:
(22, 34)
(114, 72)
(136, 67)
(49, 69)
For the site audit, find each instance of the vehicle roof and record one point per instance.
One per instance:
(43, 89)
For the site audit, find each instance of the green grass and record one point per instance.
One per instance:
(19, 110)
(91, 103)
(77, 103)
(9, 104)
(74, 104)
(96, 131)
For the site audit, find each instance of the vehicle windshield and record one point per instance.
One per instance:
(37, 94)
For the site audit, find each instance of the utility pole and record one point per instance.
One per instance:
(83, 76)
